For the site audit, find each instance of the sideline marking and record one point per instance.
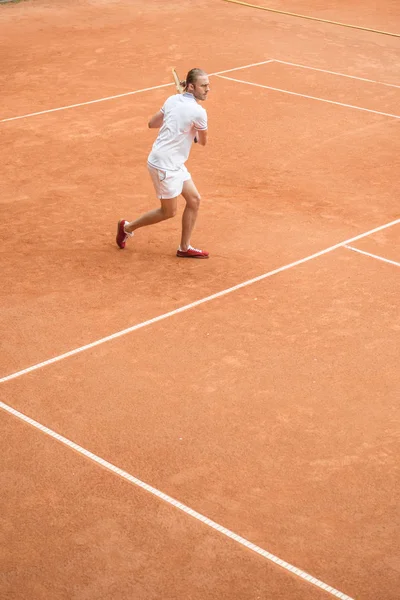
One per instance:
(386, 260)
(194, 304)
(285, 62)
(169, 500)
(267, 87)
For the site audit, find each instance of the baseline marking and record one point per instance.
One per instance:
(285, 62)
(267, 87)
(386, 260)
(155, 87)
(217, 73)
(194, 304)
(169, 500)
(51, 110)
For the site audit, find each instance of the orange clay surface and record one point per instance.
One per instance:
(272, 410)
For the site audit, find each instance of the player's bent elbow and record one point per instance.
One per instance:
(156, 120)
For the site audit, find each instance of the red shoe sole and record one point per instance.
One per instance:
(122, 244)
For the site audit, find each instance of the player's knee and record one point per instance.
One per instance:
(194, 201)
(169, 211)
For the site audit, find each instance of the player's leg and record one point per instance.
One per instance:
(125, 228)
(192, 198)
(167, 210)
(168, 187)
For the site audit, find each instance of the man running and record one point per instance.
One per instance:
(180, 121)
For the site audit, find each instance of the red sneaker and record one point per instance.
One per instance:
(122, 236)
(192, 253)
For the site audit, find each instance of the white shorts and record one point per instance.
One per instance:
(168, 184)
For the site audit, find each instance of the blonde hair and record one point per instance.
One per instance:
(193, 76)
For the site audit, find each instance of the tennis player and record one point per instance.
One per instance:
(180, 120)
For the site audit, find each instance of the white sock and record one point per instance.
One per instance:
(130, 233)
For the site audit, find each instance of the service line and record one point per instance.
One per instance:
(182, 309)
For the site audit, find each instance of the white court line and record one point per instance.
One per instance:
(169, 500)
(51, 110)
(284, 62)
(257, 64)
(267, 87)
(386, 260)
(193, 304)
(155, 87)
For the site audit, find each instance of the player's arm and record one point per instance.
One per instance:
(156, 120)
(200, 124)
(202, 137)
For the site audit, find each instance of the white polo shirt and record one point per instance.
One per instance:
(183, 116)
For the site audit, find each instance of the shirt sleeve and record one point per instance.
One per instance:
(200, 122)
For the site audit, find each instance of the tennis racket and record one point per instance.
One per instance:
(180, 88)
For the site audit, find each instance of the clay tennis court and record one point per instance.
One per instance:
(221, 429)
